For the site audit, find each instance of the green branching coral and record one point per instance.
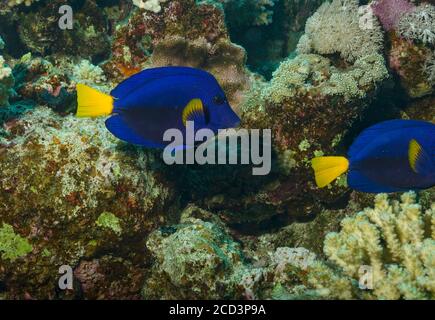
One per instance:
(12, 246)
(108, 220)
(336, 28)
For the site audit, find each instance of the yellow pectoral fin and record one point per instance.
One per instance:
(93, 103)
(193, 106)
(327, 169)
(414, 154)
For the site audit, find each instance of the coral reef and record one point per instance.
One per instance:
(403, 267)
(131, 227)
(109, 277)
(39, 31)
(195, 259)
(410, 62)
(394, 241)
(83, 178)
(183, 33)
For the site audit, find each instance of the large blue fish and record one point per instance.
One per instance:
(392, 156)
(147, 104)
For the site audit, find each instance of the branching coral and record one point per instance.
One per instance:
(310, 72)
(419, 24)
(397, 240)
(336, 28)
(150, 5)
(389, 248)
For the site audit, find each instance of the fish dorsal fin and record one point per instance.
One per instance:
(194, 111)
(386, 127)
(146, 76)
(419, 159)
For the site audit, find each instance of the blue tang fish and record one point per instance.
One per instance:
(392, 156)
(147, 104)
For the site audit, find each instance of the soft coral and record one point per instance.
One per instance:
(389, 12)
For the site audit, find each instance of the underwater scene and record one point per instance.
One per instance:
(217, 150)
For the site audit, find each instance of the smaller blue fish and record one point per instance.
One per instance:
(392, 156)
(146, 105)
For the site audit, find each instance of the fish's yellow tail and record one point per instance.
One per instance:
(93, 103)
(327, 169)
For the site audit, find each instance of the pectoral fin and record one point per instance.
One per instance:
(194, 111)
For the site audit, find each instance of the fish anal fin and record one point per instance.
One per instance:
(358, 181)
(327, 169)
(120, 129)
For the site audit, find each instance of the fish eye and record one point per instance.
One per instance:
(219, 100)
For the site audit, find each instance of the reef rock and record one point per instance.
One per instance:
(195, 259)
(182, 33)
(71, 190)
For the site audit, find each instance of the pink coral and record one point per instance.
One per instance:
(389, 12)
